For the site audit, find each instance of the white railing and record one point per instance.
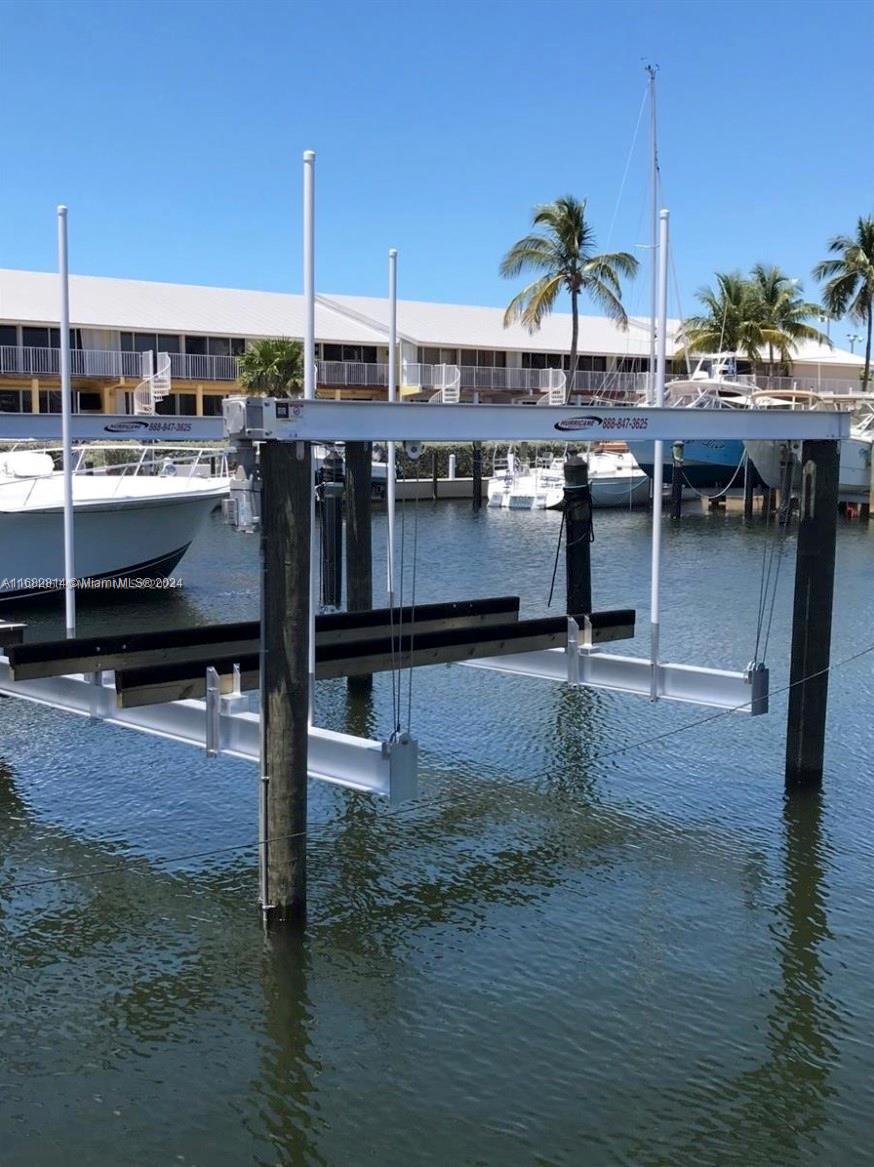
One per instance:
(554, 384)
(360, 373)
(197, 367)
(24, 360)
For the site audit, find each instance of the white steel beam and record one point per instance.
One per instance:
(745, 692)
(46, 427)
(227, 726)
(365, 421)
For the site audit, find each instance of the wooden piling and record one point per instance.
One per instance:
(287, 484)
(477, 470)
(812, 614)
(331, 515)
(359, 557)
(434, 487)
(578, 532)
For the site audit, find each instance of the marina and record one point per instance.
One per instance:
(436, 649)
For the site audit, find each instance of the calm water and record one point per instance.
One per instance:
(557, 955)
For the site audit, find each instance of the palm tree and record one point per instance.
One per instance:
(564, 255)
(783, 314)
(273, 367)
(850, 281)
(730, 321)
(746, 315)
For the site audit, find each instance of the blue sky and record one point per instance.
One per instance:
(174, 133)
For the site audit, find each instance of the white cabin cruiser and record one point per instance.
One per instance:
(134, 521)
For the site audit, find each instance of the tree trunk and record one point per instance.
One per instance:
(867, 373)
(770, 360)
(575, 330)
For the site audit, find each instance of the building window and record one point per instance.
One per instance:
(8, 335)
(49, 401)
(238, 346)
(168, 343)
(212, 405)
(364, 353)
(219, 346)
(196, 345)
(632, 364)
(483, 358)
(90, 402)
(48, 337)
(15, 401)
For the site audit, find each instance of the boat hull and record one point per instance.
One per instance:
(854, 474)
(710, 464)
(143, 539)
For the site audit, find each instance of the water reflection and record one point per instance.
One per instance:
(287, 1082)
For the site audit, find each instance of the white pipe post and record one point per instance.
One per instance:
(654, 235)
(309, 282)
(309, 380)
(390, 473)
(658, 466)
(66, 442)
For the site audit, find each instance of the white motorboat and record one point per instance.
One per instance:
(616, 480)
(527, 488)
(131, 522)
(854, 473)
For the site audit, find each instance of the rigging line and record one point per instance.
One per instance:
(416, 805)
(555, 563)
(396, 711)
(413, 609)
(725, 490)
(761, 608)
(392, 635)
(627, 167)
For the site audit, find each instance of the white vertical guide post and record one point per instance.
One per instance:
(658, 466)
(654, 179)
(66, 442)
(309, 378)
(390, 472)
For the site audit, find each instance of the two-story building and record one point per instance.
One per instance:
(117, 324)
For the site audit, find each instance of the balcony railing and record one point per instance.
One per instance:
(195, 367)
(22, 360)
(352, 373)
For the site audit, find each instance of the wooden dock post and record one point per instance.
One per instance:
(434, 487)
(812, 614)
(749, 486)
(477, 470)
(332, 530)
(359, 556)
(578, 533)
(677, 480)
(287, 478)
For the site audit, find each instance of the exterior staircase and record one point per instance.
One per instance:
(155, 385)
(447, 382)
(554, 381)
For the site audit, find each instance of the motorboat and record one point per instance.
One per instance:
(710, 464)
(615, 478)
(132, 521)
(854, 473)
(517, 487)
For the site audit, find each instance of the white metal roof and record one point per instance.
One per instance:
(138, 305)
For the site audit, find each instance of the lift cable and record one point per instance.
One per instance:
(253, 844)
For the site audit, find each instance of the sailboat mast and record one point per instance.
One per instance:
(654, 234)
